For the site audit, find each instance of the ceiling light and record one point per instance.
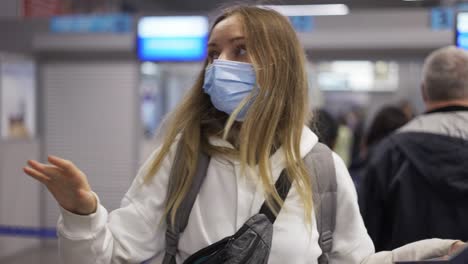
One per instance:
(310, 10)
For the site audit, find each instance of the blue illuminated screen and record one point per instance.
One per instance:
(461, 30)
(172, 38)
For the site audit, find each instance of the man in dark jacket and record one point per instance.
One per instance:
(416, 185)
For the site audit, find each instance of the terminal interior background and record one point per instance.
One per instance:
(86, 96)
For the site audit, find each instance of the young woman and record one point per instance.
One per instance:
(247, 110)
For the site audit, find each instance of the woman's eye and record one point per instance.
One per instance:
(213, 55)
(241, 51)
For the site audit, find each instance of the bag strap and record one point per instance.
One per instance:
(183, 213)
(320, 164)
(282, 185)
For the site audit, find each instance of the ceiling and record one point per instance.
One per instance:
(207, 5)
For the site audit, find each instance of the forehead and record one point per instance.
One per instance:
(227, 28)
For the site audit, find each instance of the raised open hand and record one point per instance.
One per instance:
(66, 183)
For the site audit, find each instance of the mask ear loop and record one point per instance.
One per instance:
(232, 117)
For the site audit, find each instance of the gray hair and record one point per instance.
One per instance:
(446, 74)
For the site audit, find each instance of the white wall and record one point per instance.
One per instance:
(91, 117)
(19, 194)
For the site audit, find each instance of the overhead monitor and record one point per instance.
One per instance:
(172, 38)
(461, 30)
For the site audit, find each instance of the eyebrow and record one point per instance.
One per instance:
(230, 40)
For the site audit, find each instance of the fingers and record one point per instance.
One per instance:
(48, 170)
(36, 175)
(456, 246)
(66, 165)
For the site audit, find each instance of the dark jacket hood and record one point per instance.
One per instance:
(441, 160)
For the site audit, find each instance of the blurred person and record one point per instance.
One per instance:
(17, 128)
(356, 119)
(407, 108)
(248, 111)
(344, 140)
(386, 121)
(416, 185)
(325, 126)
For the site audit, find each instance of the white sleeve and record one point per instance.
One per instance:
(131, 234)
(351, 243)
(419, 250)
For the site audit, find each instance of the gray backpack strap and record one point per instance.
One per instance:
(319, 163)
(182, 216)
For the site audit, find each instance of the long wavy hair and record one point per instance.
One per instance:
(275, 119)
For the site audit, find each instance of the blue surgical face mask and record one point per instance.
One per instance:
(228, 83)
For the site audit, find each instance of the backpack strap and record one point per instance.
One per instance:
(173, 231)
(320, 164)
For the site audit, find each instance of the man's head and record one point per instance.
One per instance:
(445, 80)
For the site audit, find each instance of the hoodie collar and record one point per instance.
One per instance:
(278, 159)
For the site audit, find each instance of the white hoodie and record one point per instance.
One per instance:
(135, 232)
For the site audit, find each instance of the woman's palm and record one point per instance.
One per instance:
(66, 183)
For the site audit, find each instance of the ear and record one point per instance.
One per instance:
(424, 93)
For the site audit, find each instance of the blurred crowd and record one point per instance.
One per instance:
(410, 170)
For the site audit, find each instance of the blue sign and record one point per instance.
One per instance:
(176, 38)
(462, 7)
(113, 23)
(442, 18)
(302, 23)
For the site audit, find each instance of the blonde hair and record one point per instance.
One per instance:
(276, 117)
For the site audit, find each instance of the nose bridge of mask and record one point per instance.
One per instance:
(230, 62)
(234, 71)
